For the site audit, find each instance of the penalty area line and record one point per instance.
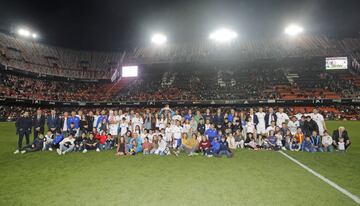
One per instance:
(331, 183)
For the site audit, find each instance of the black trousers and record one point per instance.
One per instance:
(21, 137)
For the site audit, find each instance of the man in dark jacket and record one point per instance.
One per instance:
(37, 145)
(53, 121)
(23, 128)
(310, 126)
(38, 123)
(341, 133)
(269, 117)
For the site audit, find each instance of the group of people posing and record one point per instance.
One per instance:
(165, 131)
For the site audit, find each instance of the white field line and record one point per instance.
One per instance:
(331, 183)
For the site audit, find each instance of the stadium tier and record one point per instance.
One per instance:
(275, 69)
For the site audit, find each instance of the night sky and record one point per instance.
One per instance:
(119, 24)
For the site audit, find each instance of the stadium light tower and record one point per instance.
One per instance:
(159, 39)
(26, 33)
(223, 35)
(293, 30)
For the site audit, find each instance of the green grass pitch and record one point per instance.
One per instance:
(250, 178)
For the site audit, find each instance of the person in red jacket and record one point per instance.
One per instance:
(204, 146)
(101, 137)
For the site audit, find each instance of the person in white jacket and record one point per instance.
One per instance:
(327, 142)
(66, 145)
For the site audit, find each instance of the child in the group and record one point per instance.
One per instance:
(327, 142)
(146, 146)
(90, 143)
(37, 145)
(231, 141)
(48, 140)
(133, 148)
(58, 138)
(121, 147)
(316, 141)
(250, 142)
(299, 135)
(110, 142)
(307, 145)
(270, 141)
(162, 148)
(205, 146)
(155, 144)
(224, 148)
(215, 146)
(101, 138)
(79, 142)
(294, 145)
(66, 145)
(341, 145)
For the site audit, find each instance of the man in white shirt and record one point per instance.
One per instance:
(271, 127)
(260, 128)
(64, 126)
(319, 119)
(281, 117)
(293, 124)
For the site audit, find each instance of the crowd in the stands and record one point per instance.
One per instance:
(209, 132)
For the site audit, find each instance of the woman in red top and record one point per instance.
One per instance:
(204, 146)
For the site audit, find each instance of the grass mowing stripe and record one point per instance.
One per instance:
(331, 183)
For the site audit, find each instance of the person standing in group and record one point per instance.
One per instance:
(53, 121)
(261, 126)
(38, 123)
(320, 121)
(269, 117)
(281, 117)
(23, 128)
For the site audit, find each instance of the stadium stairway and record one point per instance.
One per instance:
(115, 88)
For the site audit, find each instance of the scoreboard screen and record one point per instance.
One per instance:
(334, 63)
(129, 71)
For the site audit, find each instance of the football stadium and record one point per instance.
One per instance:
(179, 102)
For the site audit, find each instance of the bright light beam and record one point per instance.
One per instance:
(223, 35)
(293, 30)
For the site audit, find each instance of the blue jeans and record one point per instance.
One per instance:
(224, 152)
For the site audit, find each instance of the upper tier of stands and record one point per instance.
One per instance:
(44, 59)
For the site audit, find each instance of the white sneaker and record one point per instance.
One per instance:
(58, 151)
(84, 151)
(63, 153)
(191, 154)
(50, 149)
(283, 148)
(209, 155)
(16, 151)
(23, 152)
(97, 149)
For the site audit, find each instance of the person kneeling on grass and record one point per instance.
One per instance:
(327, 142)
(121, 147)
(37, 145)
(90, 143)
(205, 146)
(189, 145)
(79, 142)
(66, 145)
(101, 137)
(215, 146)
(307, 145)
(146, 146)
(55, 144)
(49, 138)
(224, 148)
(316, 141)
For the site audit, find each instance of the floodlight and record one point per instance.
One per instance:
(223, 35)
(158, 39)
(293, 30)
(34, 35)
(24, 32)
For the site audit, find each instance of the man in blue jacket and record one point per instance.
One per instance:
(211, 132)
(75, 119)
(224, 148)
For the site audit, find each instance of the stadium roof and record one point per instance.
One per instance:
(111, 24)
